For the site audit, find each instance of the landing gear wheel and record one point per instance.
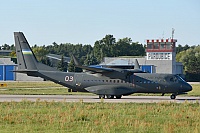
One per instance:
(101, 96)
(173, 96)
(110, 96)
(118, 96)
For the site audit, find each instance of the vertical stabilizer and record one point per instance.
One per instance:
(76, 62)
(136, 66)
(25, 56)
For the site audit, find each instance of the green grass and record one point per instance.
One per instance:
(195, 91)
(102, 117)
(50, 88)
(26, 116)
(36, 88)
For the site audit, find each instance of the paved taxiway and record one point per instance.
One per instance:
(86, 98)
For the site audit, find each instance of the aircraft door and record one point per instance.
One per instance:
(132, 81)
(78, 80)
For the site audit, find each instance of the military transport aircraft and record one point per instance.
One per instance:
(105, 82)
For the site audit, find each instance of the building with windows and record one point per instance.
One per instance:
(160, 58)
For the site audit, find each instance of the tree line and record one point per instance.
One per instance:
(190, 57)
(87, 54)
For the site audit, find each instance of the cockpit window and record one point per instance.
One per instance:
(175, 78)
(179, 78)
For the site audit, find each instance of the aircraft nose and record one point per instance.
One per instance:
(187, 87)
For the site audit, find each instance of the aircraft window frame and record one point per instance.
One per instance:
(179, 78)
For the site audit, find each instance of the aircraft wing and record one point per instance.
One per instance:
(108, 72)
(96, 69)
(91, 68)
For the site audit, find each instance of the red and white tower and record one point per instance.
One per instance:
(163, 53)
(161, 49)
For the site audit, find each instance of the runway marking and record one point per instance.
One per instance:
(92, 99)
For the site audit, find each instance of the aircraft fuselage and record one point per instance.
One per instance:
(135, 83)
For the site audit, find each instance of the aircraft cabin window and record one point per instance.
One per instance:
(173, 79)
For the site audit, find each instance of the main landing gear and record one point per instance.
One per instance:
(110, 96)
(173, 96)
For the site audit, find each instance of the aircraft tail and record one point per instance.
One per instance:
(25, 56)
(137, 66)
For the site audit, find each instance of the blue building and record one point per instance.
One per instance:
(6, 69)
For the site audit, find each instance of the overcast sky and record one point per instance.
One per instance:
(85, 21)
